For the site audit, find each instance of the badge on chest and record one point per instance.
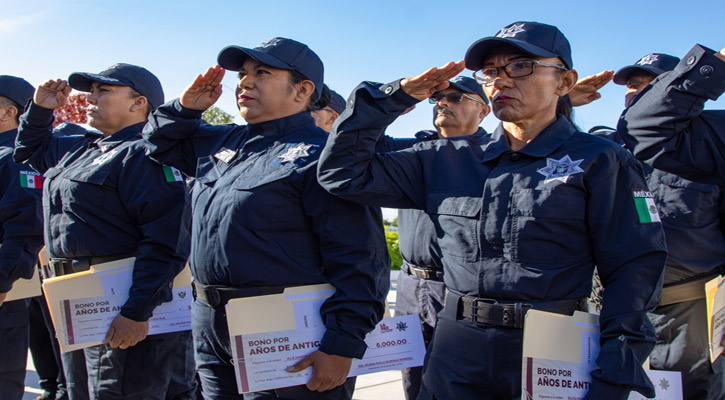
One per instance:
(225, 155)
(560, 170)
(105, 157)
(295, 152)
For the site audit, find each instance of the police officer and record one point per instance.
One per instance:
(326, 116)
(457, 112)
(105, 200)
(521, 226)
(667, 127)
(21, 229)
(262, 222)
(692, 219)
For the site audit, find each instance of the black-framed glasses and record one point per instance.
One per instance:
(514, 69)
(453, 97)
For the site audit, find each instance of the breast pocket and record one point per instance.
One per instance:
(83, 187)
(457, 220)
(548, 226)
(267, 201)
(684, 203)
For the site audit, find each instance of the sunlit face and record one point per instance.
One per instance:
(110, 107)
(529, 97)
(635, 85)
(461, 117)
(264, 93)
(325, 118)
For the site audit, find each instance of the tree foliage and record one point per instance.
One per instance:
(391, 237)
(74, 112)
(217, 116)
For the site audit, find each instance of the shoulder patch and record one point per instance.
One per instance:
(31, 180)
(644, 203)
(172, 174)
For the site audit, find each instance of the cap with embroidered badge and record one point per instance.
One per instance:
(280, 53)
(653, 63)
(137, 78)
(534, 38)
(16, 89)
(468, 85)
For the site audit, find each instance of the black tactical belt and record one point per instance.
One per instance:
(216, 295)
(687, 290)
(66, 266)
(428, 273)
(509, 315)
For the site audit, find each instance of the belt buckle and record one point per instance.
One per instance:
(475, 307)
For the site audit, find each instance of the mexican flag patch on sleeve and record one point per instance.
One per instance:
(644, 203)
(31, 180)
(172, 174)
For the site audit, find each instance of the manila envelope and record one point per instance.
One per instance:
(24, 288)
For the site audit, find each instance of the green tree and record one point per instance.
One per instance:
(217, 116)
(391, 237)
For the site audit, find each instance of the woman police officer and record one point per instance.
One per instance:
(261, 220)
(521, 227)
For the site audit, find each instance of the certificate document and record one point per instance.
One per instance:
(261, 357)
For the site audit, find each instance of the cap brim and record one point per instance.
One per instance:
(477, 52)
(83, 80)
(467, 90)
(233, 57)
(621, 76)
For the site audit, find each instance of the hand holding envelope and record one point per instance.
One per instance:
(328, 370)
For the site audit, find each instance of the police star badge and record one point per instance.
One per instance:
(105, 157)
(511, 31)
(269, 43)
(293, 153)
(560, 170)
(648, 59)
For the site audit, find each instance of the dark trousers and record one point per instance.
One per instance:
(682, 345)
(13, 348)
(139, 372)
(213, 362)
(76, 376)
(44, 348)
(183, 379)
(469, 361)
(425, 298)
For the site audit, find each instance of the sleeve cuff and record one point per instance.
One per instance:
(184, 112)
(39, 116)
(334, 343)
(703, 73)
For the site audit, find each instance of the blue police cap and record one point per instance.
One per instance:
(16, 89)
(468, 85)
(653, 63)
(135, 77)
(280, 53)
(534, 38)
(337, 102)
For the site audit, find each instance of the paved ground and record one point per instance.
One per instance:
(379, 386)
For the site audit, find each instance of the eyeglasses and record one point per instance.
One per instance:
(453, 97)
(514, 69)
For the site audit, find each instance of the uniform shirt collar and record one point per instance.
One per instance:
(544, 144)
(131, 132)
(7, 138)
(281, 126)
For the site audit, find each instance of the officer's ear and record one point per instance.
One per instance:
(140, 103)
(567, 80)
(303, 91)
(485, 109)
(8, 113)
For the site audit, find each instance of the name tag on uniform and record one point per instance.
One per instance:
(225, 155)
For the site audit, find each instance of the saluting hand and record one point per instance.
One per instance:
(586, 89)
(124, 332)
(52, 94)
(204, 91)
(434, 80)
(2, 298)
(328, 370)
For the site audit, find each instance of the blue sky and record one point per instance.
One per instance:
(367, 40)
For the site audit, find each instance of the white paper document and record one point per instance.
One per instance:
(261, 358)
(87, 320)
(715, 297)
(560, 352)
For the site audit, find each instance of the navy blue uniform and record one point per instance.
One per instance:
(693, 216)
(21, 235)
(104, 197)
(422, 295)
(261, 219)
(524, 226)
(667, 128)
